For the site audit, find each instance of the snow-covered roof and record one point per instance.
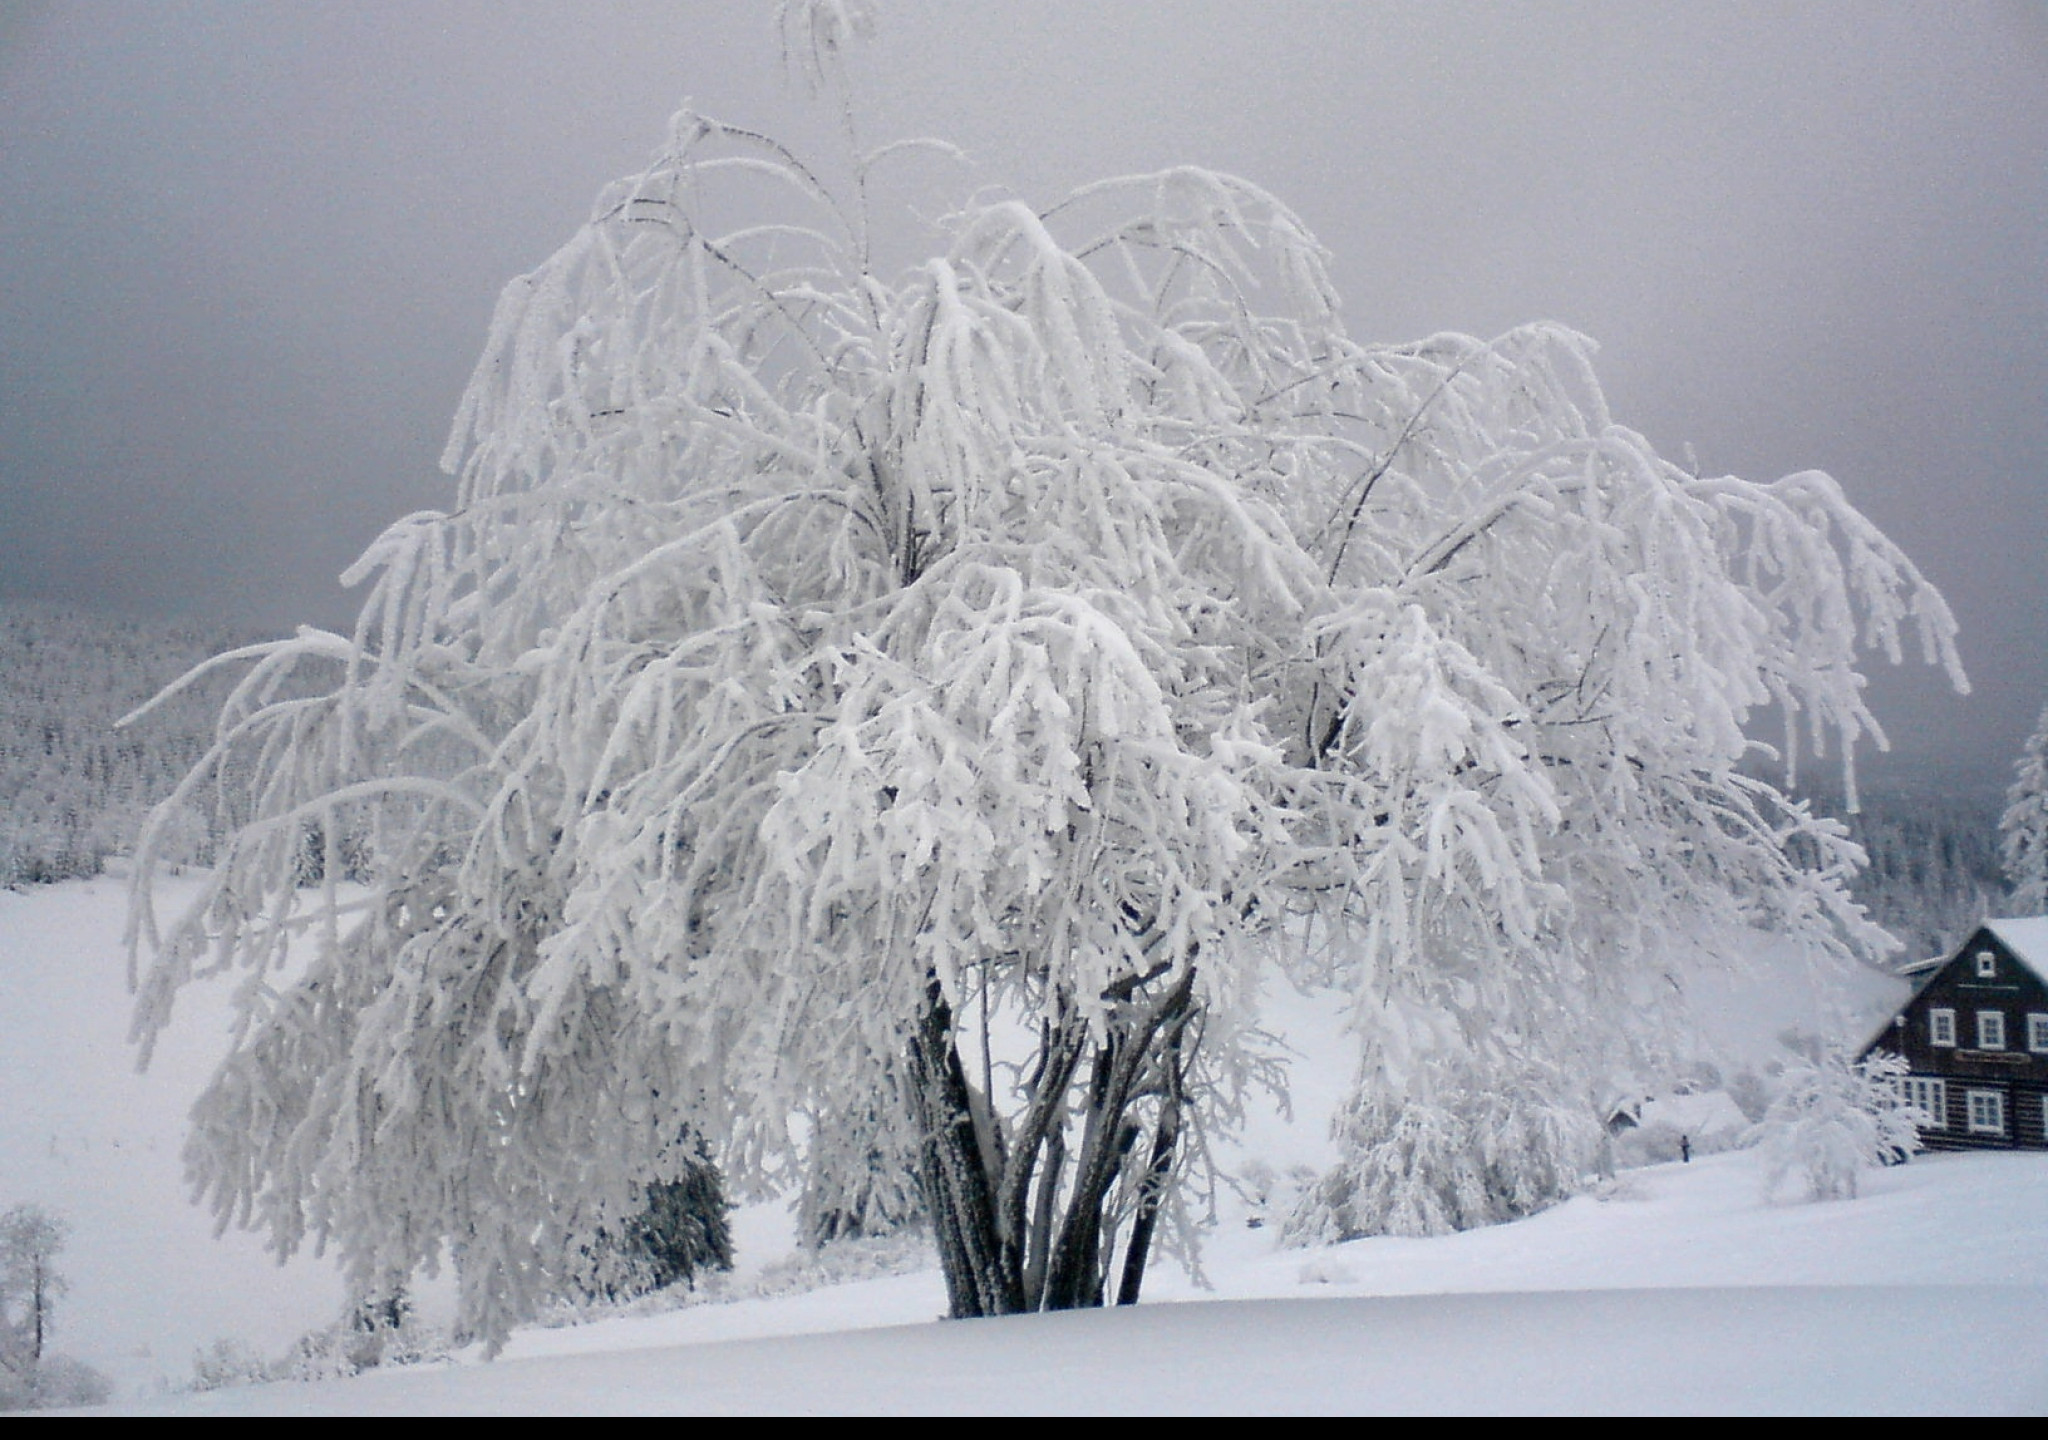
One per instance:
(1712, 1112)
(2027, 938)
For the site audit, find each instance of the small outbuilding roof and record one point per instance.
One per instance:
(1707, 1113)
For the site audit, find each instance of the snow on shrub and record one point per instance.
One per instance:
(1833, 1119)
(1459, 1150)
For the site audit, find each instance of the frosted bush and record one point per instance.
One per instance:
(1833, 1119)
(1454, 1149)
(226, 1363)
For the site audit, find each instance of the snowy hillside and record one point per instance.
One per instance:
(1674, 1289)
(1696, 1351)
(86, 1137)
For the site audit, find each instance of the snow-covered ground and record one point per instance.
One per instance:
(1676, 1290)
(86, 1137)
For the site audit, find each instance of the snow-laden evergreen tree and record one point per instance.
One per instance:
(2023, 832)
(950, 687)
(681, 1229)
(1833, 1119)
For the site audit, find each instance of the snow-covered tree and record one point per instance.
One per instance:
(681, 1229)
(949, 688)
(1833, 1119)
(30, 1286)
(2023, 832)
(1473, 1147)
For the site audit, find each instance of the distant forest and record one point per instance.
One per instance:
(1934, 869)
(73, 789)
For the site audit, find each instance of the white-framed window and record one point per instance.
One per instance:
(2037, 1033)
(1990, 1029)
(1987, 965)
(1930, 1098)
(1986, 1110)
(1941, 1027)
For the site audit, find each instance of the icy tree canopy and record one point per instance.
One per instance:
(919, 706)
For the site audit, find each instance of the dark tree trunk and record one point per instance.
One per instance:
(1039, 1241)
(955, 1177)
(1165, 1139)
(1005, 1243)
(40, 1303)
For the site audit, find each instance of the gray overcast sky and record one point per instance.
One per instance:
(247, 252)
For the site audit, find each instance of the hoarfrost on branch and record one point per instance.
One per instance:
(931, 701)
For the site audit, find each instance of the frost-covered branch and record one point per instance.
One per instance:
(854, 722)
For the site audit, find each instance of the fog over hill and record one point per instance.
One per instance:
(1804, 236)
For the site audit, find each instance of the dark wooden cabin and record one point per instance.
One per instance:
(1975, 1036)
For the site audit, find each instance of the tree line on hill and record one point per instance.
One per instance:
(73, 788)
(1935, 870)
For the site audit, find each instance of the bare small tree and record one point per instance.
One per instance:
(30, 1238)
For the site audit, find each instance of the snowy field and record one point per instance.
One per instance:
(1676, 1289)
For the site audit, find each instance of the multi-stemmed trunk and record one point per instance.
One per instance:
(1017, 1227)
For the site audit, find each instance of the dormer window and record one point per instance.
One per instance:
(1990, 1029)
(1987, 965)
(1941, 1027)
